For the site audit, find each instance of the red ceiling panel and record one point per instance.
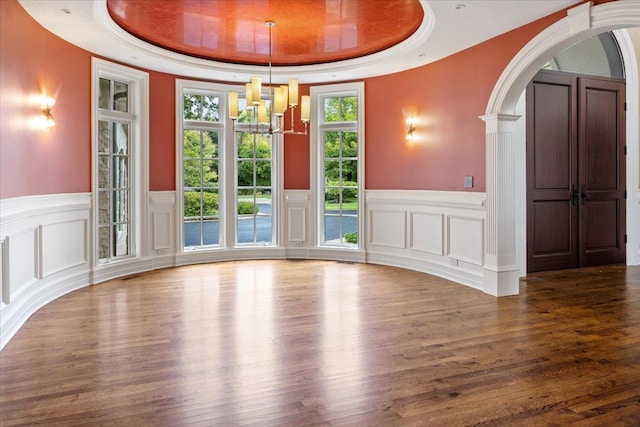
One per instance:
(306, 31)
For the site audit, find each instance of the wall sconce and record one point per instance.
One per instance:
(410, 121)
(46, 121)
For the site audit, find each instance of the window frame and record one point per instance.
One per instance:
(227, 170)
(318, 95)
(137, 118)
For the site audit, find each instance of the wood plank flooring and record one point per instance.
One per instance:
(323, 343)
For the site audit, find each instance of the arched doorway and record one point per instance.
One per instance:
(505, 141)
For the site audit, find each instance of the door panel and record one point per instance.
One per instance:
(602, 172)
(552, 229)
(575, 171)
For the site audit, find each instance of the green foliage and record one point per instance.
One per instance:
(349, 191)
(351, 237)
(247, 208)
(200, 150)
(192, 204)
(341, 109)
(201, 107)
(254, 154)
(341, 152)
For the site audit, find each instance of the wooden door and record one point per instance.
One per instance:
(552, 172)
(575, 171)
(602, 171)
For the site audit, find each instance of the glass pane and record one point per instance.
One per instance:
(263, 147)
(263, 229)
(332, 144)
(349, 172)
(104, 97)
(331, 171)
(332, 230)
(210, 108)
(191, 173)
(103, 172)
(350, 199)
(120, 138)
(210, 145)
(209, 173)
(263, 173)
(191, 143)
(245, 115)
(264, 203)
(245, 146)
(120, 240)
(104, 137)
(104, 207)
(210, 232)
(192, 230)
(104, 242)
(192, 107)
(245, 173)
(120, 172)
(192, 204)
(350, 144)
(120, 206)
(121, 96)
(210, 203)
(349, 109)
(332, 110)
(331, 197)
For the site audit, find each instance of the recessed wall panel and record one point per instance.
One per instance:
(466, 239)
(63, 246)
(427, 232)
(388, 228)
(22, 260)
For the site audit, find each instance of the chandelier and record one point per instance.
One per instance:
(279, 97)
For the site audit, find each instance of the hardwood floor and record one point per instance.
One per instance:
(324, 343)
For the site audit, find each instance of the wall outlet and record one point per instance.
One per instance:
(468, 182)
(453, 262)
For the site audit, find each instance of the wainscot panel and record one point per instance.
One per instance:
(44, 253)
(445, 232)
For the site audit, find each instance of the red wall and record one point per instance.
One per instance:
(34, 161)
(162, 132)
(447, 97)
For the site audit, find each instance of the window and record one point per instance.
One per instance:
(339, 171)
(227, 193)
(201, 133)
(119, 148)
(254, 191)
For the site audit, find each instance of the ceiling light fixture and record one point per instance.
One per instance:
(279, 97)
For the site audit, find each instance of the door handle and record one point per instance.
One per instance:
(575, 195)
(583, 194)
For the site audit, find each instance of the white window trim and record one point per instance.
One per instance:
(317, 152)
(139, 105)
(227, 158)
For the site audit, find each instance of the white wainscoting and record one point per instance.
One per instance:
(163, 228)
(45, 242)
(44, 245)
(436, 232)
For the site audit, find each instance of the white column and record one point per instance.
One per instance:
(500, 268)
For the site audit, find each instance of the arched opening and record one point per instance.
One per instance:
(505, 239)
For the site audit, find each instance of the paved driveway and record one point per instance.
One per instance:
(262, 228)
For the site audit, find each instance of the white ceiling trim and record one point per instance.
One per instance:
(447, 28)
